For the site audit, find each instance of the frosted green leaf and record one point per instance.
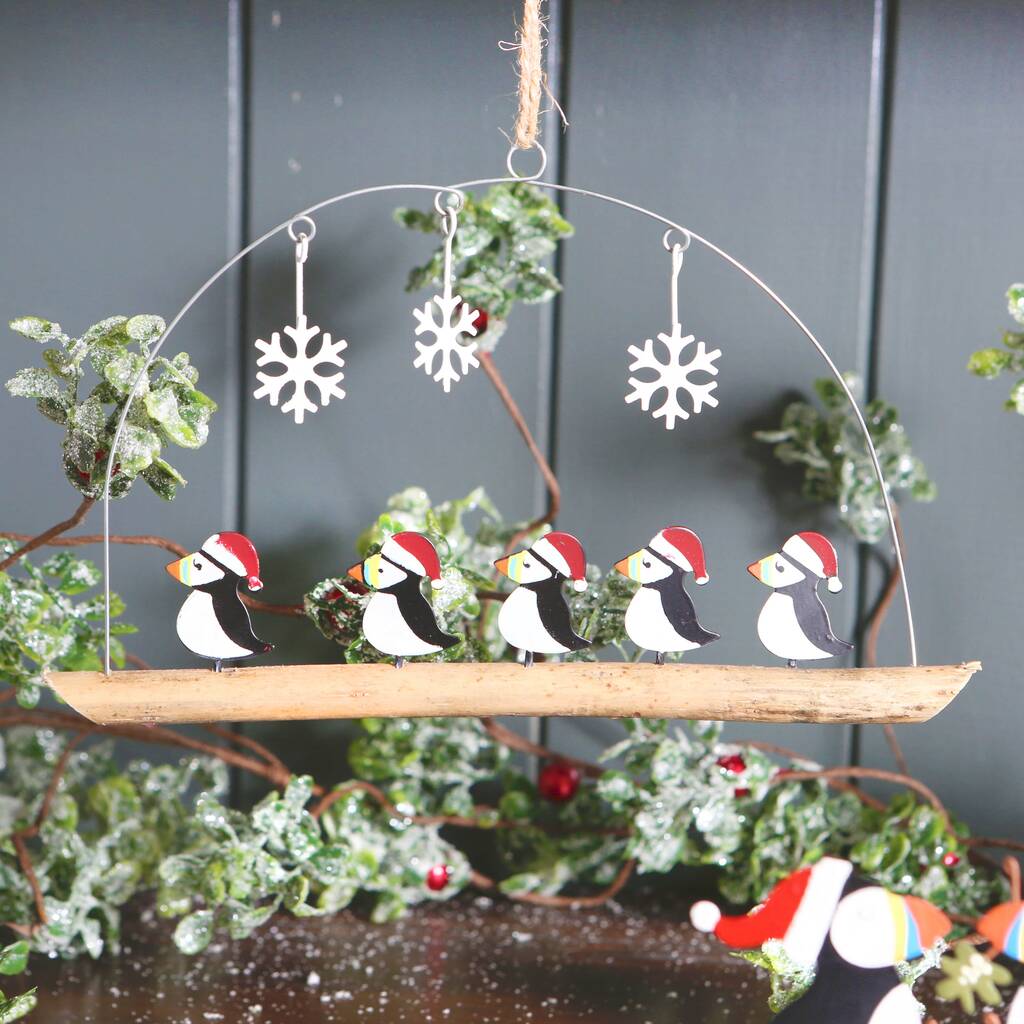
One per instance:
(36, 328)
(136, 450)
(1015, 302)
(122, 370)
(18, 1007)
(14, 958)
(145, 327)
(194, 932)
(163, 478)
(34, 382)
(109, 330)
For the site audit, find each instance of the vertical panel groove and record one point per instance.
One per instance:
(872, 258)
(557, 69)
(233, 404)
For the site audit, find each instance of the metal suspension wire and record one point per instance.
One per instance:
(458, 193)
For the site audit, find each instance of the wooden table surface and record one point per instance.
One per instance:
(473, 961)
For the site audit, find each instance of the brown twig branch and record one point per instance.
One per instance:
(873, 631)
(47, 535)
(548, 474)
(833, 775)
(507, 738)
(482, 881)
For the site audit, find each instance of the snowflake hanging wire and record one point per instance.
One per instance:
(457, 317)
(674, 374)
(300, 369)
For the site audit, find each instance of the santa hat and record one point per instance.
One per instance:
(234, 552)
(682, 547)
(565, 553)
(414, 552)
(816, 554)
(798, 911)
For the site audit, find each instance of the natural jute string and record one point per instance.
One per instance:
(532, 80)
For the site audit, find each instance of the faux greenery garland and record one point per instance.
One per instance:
(81, 834)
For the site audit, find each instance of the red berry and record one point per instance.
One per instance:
(438, 877)
(333, 594)
(558, 782)
(740, 792)
(479, 321)
(951, 859)
(732, 763)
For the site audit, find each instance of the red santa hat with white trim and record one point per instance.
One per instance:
(682, 547)
(565, 553)
(414, 552)
(798, 912)
(235, 552)
(816, 554)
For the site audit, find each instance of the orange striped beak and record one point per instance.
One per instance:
(356, 572)
(622, 565)
(502, 565)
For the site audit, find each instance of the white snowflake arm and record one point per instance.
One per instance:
(673, 376)
(300, 370)
(447, 344)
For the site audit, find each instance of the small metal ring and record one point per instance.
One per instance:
(442, 209)
(302, 235)
(527, 177)
(670, 246)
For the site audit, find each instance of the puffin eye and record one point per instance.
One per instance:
(197, 564)
(647, 565)
(526, 565)
(779, 567)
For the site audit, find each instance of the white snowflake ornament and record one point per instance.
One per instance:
(673, 375)
(457, 319)
(300, 370)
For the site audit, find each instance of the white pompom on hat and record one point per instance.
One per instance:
(816, 554)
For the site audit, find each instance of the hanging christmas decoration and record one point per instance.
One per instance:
(300, 368)
(398, 620)
(675, 373)
(661, 616)
(213, 622)
(558, 781)
(793, 623)
(535, 617)
(457, 318)
(848, 930)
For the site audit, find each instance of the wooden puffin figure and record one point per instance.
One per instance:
(851, 931)
(793, 623)
(535, 616)
(1003, 926)
(661, 616)
(213, 622)
(398, 619)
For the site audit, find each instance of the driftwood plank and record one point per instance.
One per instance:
(736, 693)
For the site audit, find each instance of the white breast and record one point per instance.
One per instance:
(385, 628)
(200, 630)
(519, 622)
(780, 632)
(648, 626)
(898, 1007)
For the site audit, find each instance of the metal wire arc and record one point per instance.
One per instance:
(554, 186)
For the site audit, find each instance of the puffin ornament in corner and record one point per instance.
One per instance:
(849, 930)
(535, 616)
(398, 620)
(213, 622)
(661, 616)
(793, 623)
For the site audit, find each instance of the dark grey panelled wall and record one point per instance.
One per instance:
(858, 155)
